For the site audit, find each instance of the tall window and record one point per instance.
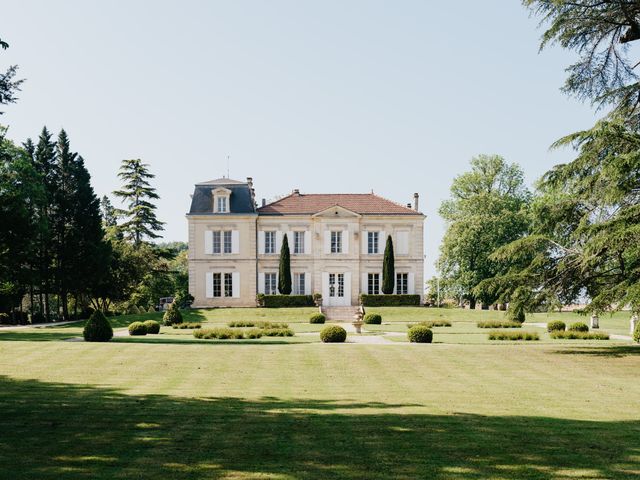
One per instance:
(222, 205)
(299, 283)
(270, 284)
(373, 283)
(217, 247)
(228, 285)
(217, 284)
(269, 242)
(298, 242)
(336, 242)
(227, 241)
(402, 283)
(373, 242)
(332, 284)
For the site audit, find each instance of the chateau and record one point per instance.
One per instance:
(336, 242)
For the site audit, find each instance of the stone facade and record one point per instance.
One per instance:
(336, 244)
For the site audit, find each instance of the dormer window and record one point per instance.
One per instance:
(221, 200)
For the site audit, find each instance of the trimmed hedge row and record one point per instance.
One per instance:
(390, 300)
(556, 326)
(183, 326)
(285, 301)
(579, 327)
(257, 324)
(500, 335)
(578, 335)
(499, 324)
(431, 323)
(223, 333)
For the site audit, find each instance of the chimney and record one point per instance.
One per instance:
(250, 182)
(415, 201)
(408, 205)
(296, 192)
(264, 202)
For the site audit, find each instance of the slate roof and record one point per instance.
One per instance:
(309, 204)
(240, 201)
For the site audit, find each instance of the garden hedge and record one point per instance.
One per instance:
(556, 326)
(137, 328)
(579, 327)
(420, 334)
(285, 301)
(390, 300)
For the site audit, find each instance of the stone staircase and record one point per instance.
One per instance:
(340, 314)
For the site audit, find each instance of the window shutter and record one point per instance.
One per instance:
(279, 242)
(209, 285)
(364, 286)
(208, 242)
(325, 288)
(261, 282)
(261, 242)
(327, 242)
(365, 242)
(347, 288)
(411, 283)
(382, 241)
(235, 241)
(307, 282)
(402, 239)
(307, 242)
(395, 283)
(345, 241)
(235, 284)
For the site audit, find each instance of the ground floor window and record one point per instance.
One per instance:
(373, 283)
(222, 285)
(402, 283)
(217, 284)
(299, 283)
(270, 284)
(228, 285)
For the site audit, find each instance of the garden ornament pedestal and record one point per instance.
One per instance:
(595, 321)
(632, 323)
(357, 322)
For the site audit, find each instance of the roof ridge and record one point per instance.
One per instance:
(396, 203)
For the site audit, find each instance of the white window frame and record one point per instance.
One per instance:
(336, 241)
(373, 283)
(227, 241)
(373, 243)
(270, 242)
(298, 242)
(299, 283)
(217, 284)
(222, 204)
(402, 283)
(270, 283)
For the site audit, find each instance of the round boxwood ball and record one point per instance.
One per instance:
(579, 327)
(317, 318)
(97, 328)
(172, 316)
(333, 334)
(152, 326)
(420, 334)
(137, 328)
(556, 326)
(373, 319)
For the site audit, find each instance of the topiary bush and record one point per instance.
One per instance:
(137, 328)
(172, 316)
(97, 328)
(317, 318)
(556, 326)
(152, 326)
(133, 310)
(373, 319)
(333, 334)
(579, 327)
(420, 334)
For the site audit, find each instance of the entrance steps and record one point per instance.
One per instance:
(340, 314)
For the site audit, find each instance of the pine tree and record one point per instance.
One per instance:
(137, 193)
(284, 273)
(388, 268)
(109, 214)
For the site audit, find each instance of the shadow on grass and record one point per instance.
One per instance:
(67, 431)
(612, 351)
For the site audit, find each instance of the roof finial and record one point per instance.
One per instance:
(228, 176)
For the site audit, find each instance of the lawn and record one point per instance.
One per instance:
(199, 410)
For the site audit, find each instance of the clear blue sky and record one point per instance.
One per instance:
(324, 96)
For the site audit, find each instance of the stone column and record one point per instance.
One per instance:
(595, 321)
(632, 323)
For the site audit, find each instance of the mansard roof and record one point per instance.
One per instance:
(240, 201)
(312, 203)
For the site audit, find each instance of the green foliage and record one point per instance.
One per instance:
(285, 301)
(187, 325)
(223, 333)
(277, 332)
(578, 335)
(284, 269)
(487, 209)
(373, 319)
(97, 328)
(499, 324)
(152, 326)
(636, 333)
(431, 323)
(389, 300)
(333, 334)
(257, 324)
(556, 326)
(317, 318)
(137, 328)
(420, 334)
(578, 327)
(133, 310)
(388, 268)
(513, 335)
(172, 315)
(140, 221)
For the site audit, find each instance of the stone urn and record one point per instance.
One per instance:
(594, 322)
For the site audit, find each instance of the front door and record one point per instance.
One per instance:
(336, 289)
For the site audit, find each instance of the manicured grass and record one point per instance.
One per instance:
(141, 410)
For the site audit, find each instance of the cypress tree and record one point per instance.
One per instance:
(388, 268)
(141, 221)
(284, 276)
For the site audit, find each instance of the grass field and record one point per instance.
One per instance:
(195, 410)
